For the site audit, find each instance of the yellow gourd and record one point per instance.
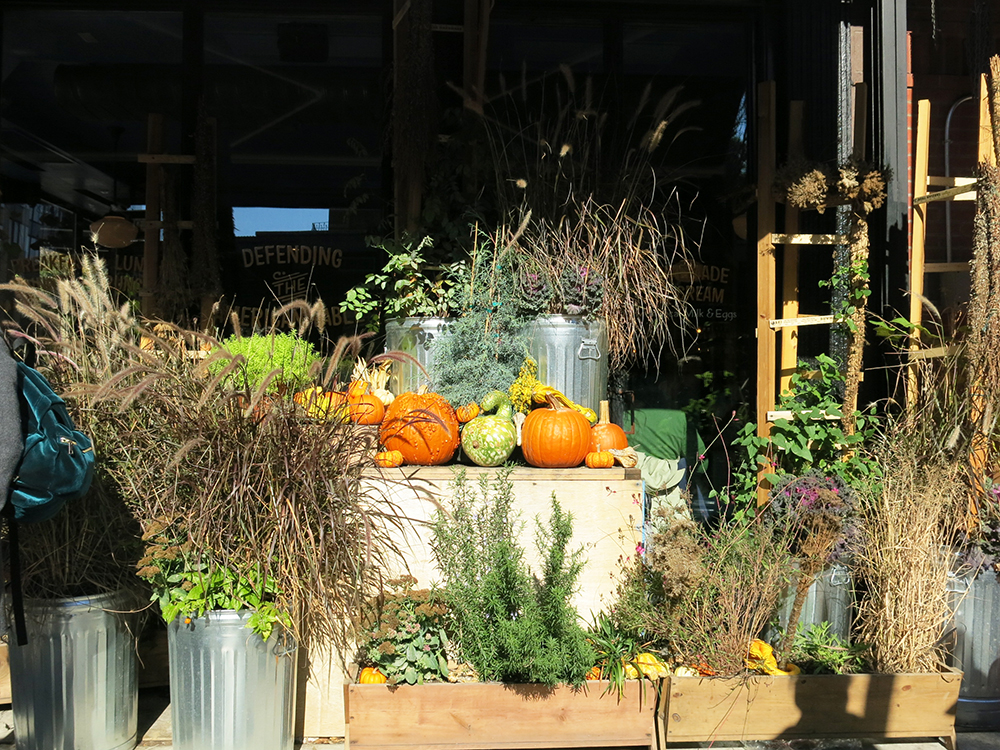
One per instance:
(371, 676)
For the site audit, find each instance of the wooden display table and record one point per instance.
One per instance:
(606, 505)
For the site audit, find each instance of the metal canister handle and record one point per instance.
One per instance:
(588, 349)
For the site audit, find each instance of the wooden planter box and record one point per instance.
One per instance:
(466, 716)
(707, 709)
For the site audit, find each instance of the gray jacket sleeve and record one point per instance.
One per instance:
(11, 439)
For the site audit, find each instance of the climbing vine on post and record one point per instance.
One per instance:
(862, 186)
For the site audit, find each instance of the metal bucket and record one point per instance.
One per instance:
(572, 356)
(230, 689)
(74, 683)
(412, 336)
(975, 604)
(830, 599)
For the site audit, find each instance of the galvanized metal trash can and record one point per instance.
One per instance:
(412, 336)
(74, 683)
(230, 689)
(572, 356)
(830, 599)
(976, 651)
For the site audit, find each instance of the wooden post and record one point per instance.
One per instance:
(920, 157)
(477, 23)
(151, 233)
(790, 254)
(766, 272)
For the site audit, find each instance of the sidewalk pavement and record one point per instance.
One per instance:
(154, 732)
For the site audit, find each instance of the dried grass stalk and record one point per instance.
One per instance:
(909, 525)
(638, 255)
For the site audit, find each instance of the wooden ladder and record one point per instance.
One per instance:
(777, 359)
(952, 188)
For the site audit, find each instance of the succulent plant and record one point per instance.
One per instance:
(582, 290)
(534, 291)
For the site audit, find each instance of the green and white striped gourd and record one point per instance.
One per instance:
(489, 439)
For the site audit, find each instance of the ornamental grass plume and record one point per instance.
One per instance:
(275, 500)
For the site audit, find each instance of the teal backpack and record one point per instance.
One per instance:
(57, 464)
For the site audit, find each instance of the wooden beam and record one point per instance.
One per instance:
(933, 353)
(151, 234)
(860, 119)
(400, 14)
(986, 153)
(942, 181)
(917, 259)
(805, 320)
(165, 159)
(958, 267)
(477, 24)
(942, 195)
(789, 350)
(792, 238)
(766, 267)
(788, 414)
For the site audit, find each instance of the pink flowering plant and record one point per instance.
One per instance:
(407, 642)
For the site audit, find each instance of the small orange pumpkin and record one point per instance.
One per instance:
(467, 413)
(366, 409)
(599, 460)
(371, 676)
(389, 459)
(605, 435)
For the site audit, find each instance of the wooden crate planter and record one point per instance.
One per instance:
(468, 716)
(876, 706)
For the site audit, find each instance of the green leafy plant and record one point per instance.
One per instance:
(275, 361)
(407, 286)
(616, 649)
(510, 626)
(407, 641)
(812, 439)
(185, 582)
(817, 650)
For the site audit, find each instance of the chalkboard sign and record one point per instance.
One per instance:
(272, 269)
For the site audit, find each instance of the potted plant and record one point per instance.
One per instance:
(513, 649)
(258, 526)
(74, 683)
(703, 596)
(487, 340)
(413, 298)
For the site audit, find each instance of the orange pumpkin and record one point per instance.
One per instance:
(605, 435)
(555, 437)
(599, 460)
(366, 409)
(389, 459)
(371, 676)
(468, 412)
(423, 427)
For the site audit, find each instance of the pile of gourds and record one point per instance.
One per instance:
(424, 429)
